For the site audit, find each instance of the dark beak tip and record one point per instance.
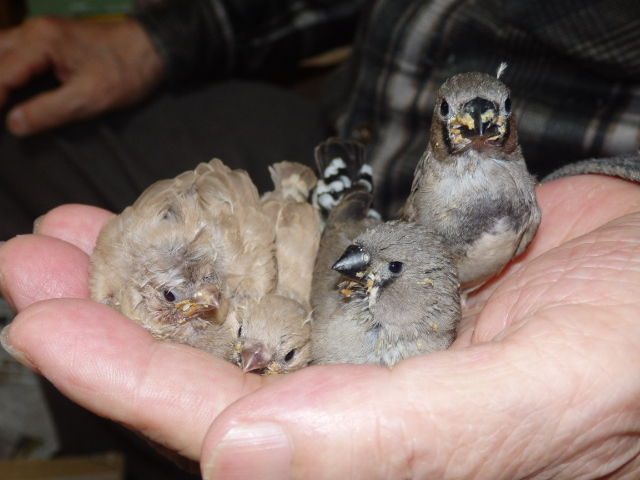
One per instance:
(353, 261)
(352, 256)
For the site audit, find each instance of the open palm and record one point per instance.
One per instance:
(541, 383)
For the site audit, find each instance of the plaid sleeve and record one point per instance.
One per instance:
(623, 166)
(220, 38)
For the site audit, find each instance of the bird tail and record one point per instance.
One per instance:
(342, 168)
(292, 182)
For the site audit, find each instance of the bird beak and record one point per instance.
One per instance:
(205, 299)
(478, 119)
(353, 263)
(254, 356)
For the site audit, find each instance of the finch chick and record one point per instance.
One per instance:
(472, 185)
(389, 294)
(399, 298)
(175, 259)
(273, 335)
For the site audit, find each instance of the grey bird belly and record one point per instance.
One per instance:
(482, 212)
(488, 253)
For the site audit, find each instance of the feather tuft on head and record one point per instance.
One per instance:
(501, 69)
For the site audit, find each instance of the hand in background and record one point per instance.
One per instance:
(100, 65)
(542, 381)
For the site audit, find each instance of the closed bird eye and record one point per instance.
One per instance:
(240, 331)
(395, 267)
(169, 296)
(289, 356)
(444, 108)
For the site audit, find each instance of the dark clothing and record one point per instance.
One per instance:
(574, 72)
(574, 68)
(109, 161)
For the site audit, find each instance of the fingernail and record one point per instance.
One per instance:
(36, 223)
(17, 354)
(252, 451)
(17, 123)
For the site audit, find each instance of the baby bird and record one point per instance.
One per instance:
(472, 185)
(399, 298)
(175, 259)
(273, 332)
(272, 335)
(389, 294)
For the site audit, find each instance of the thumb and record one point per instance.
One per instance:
(349, 421)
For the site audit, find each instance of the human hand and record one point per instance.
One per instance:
(101, 66)
(541, 383)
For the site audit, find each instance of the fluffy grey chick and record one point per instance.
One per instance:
(399, 298)
(174, 260)
(472, 185)
(272, 335)
(389, 294)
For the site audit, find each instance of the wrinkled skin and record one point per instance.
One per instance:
(101, 66)
(542, 381)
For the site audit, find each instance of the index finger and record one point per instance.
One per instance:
(36, 267)
(74, 223)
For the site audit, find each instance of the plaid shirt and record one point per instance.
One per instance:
(574, 67)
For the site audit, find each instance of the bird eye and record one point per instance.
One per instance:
(507, 105)
(395, 267)
(444, 108)
(289, 356)
(169, 296)
(240, 331)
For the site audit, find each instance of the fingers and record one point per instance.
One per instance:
(74, 101)
(23, 55)
(101, 66)
(110, 365)
(35, 267)
(73, 223)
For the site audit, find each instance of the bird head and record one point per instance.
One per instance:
(473, 112)
(177, 275)
(273, 336)
(402, 262)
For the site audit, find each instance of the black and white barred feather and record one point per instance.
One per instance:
(341, 168)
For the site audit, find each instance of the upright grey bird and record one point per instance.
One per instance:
(389, 294)
(472, 185)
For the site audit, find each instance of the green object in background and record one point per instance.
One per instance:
(78, 7)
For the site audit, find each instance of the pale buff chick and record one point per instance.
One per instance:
(272, 335)
(298, 227)
(174, 260)
(273, 332)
